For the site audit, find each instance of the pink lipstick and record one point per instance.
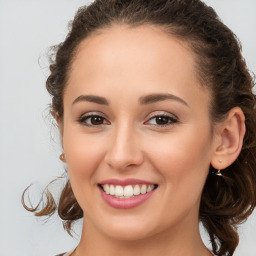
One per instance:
(126, 194)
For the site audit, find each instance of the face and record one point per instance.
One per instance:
(135, 119)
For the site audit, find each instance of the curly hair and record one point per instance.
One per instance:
(226, 201)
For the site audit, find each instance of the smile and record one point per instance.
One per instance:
(126, 194)
(127, 191)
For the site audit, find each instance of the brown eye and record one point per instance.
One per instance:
(93, 120)
(162, 120)
(97, 120)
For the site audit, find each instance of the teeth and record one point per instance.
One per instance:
(136, 190)
(143, 189)
(127, 191)
(106, 188)
(119, 191)
(112, 190)
(150, 188)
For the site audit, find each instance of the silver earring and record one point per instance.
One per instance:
(218, 173)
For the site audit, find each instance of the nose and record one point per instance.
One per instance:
(124, 149)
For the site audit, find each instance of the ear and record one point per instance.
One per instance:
(229, 139)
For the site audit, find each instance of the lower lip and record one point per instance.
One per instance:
(125, 203)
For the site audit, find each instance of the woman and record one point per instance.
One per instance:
(155, 109)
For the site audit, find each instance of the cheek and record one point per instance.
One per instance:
(184, 157)
(183, 163)
(83, 155)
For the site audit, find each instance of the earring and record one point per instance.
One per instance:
(218, 173)
(62, 157)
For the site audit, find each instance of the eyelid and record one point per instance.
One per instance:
(162, 113)
(92, 113)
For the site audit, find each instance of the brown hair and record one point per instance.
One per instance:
(226, 201)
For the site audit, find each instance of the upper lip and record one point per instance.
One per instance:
(125, 182)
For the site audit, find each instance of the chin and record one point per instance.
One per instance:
(128, 230)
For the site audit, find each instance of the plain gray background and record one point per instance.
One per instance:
(29, 145)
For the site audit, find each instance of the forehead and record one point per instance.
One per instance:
(144, 58)
(142, 46)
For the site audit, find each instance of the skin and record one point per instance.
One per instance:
(123, 65)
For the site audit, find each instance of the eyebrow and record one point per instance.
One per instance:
(91, 98)
(152, 98)
(148, 99)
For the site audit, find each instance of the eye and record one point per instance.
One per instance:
(162, 120)
(93, 120)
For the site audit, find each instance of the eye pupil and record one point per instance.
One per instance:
(162, 120)
(96, 120)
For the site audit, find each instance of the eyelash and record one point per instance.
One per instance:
(171, 120)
